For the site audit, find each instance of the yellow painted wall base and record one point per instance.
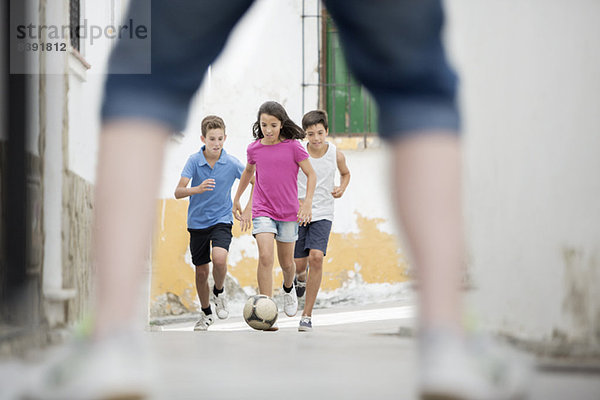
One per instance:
(370, 252)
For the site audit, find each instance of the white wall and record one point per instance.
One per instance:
(262, 61)
(531, 98)
(86, 88)
(53, 97)
(312, 43)
(244, 77)
(530, 95)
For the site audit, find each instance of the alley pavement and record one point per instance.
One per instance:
(357, 352)
(365, 352)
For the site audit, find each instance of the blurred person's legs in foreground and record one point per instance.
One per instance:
(111, 361)
(124, 219)
(140, 112)
(400, 59)
(395, 49)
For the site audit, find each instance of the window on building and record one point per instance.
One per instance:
(351, 109)
(74, 22)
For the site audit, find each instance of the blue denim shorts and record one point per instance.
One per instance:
(393, 47)
(314, 236)
(285, 231)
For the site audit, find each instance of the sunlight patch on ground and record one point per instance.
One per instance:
(335, 318)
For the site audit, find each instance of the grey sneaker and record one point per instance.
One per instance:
(305, 324)
(204, 322)
(221, 306)
(113, 368)
(473, 369)
(300, 287)
(290, 303)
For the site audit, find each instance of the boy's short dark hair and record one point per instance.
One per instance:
(212, 122)
(315, 117)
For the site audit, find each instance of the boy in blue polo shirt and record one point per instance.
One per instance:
(212, 172)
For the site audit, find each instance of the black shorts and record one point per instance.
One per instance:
(200, 241)
(313, 236)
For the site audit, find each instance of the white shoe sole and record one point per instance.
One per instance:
(223, 317)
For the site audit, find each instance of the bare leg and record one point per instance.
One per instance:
(219, 259)
(202, 284)
(427, 178)
(315, 260)
(285, 254)
(301, 264)
(129, 171)
(264, 273)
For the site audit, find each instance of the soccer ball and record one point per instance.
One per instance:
(260, 312)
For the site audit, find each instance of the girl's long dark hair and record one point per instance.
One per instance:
(289, 130)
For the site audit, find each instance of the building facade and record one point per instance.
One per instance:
(529, 95)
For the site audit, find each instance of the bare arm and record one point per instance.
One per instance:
(246, 217)
(182, 190)
(338, 191)
(305, 212)
(245, 179)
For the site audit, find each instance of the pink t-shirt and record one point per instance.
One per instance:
(276, 186)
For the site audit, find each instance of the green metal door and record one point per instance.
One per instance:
(351, 109)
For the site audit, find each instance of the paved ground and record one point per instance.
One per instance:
(353, 353)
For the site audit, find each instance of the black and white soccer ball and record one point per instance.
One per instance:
(260, 312)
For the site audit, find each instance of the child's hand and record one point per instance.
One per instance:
(237, 210)
(246, 219)
(305, 213)
(337, 192)
(205, 186)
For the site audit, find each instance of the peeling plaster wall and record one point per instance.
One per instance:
(363, 242)
(369, 252)
(530, 92)
(77, 240)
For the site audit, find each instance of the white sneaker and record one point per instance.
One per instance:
(221, 306)
(114, 368)
(204, 322)
(290, 302)
(473, 369)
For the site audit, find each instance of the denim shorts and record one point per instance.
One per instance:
(285, 231)
(314, 236)
(393, 47)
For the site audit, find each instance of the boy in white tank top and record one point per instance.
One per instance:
(311, 245)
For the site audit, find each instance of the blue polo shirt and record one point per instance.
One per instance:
(211, 207)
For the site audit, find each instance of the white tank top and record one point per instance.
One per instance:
(325, 166)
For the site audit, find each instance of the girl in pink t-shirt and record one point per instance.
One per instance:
(275, 156)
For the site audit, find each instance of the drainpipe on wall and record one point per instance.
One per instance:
(53, 92)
